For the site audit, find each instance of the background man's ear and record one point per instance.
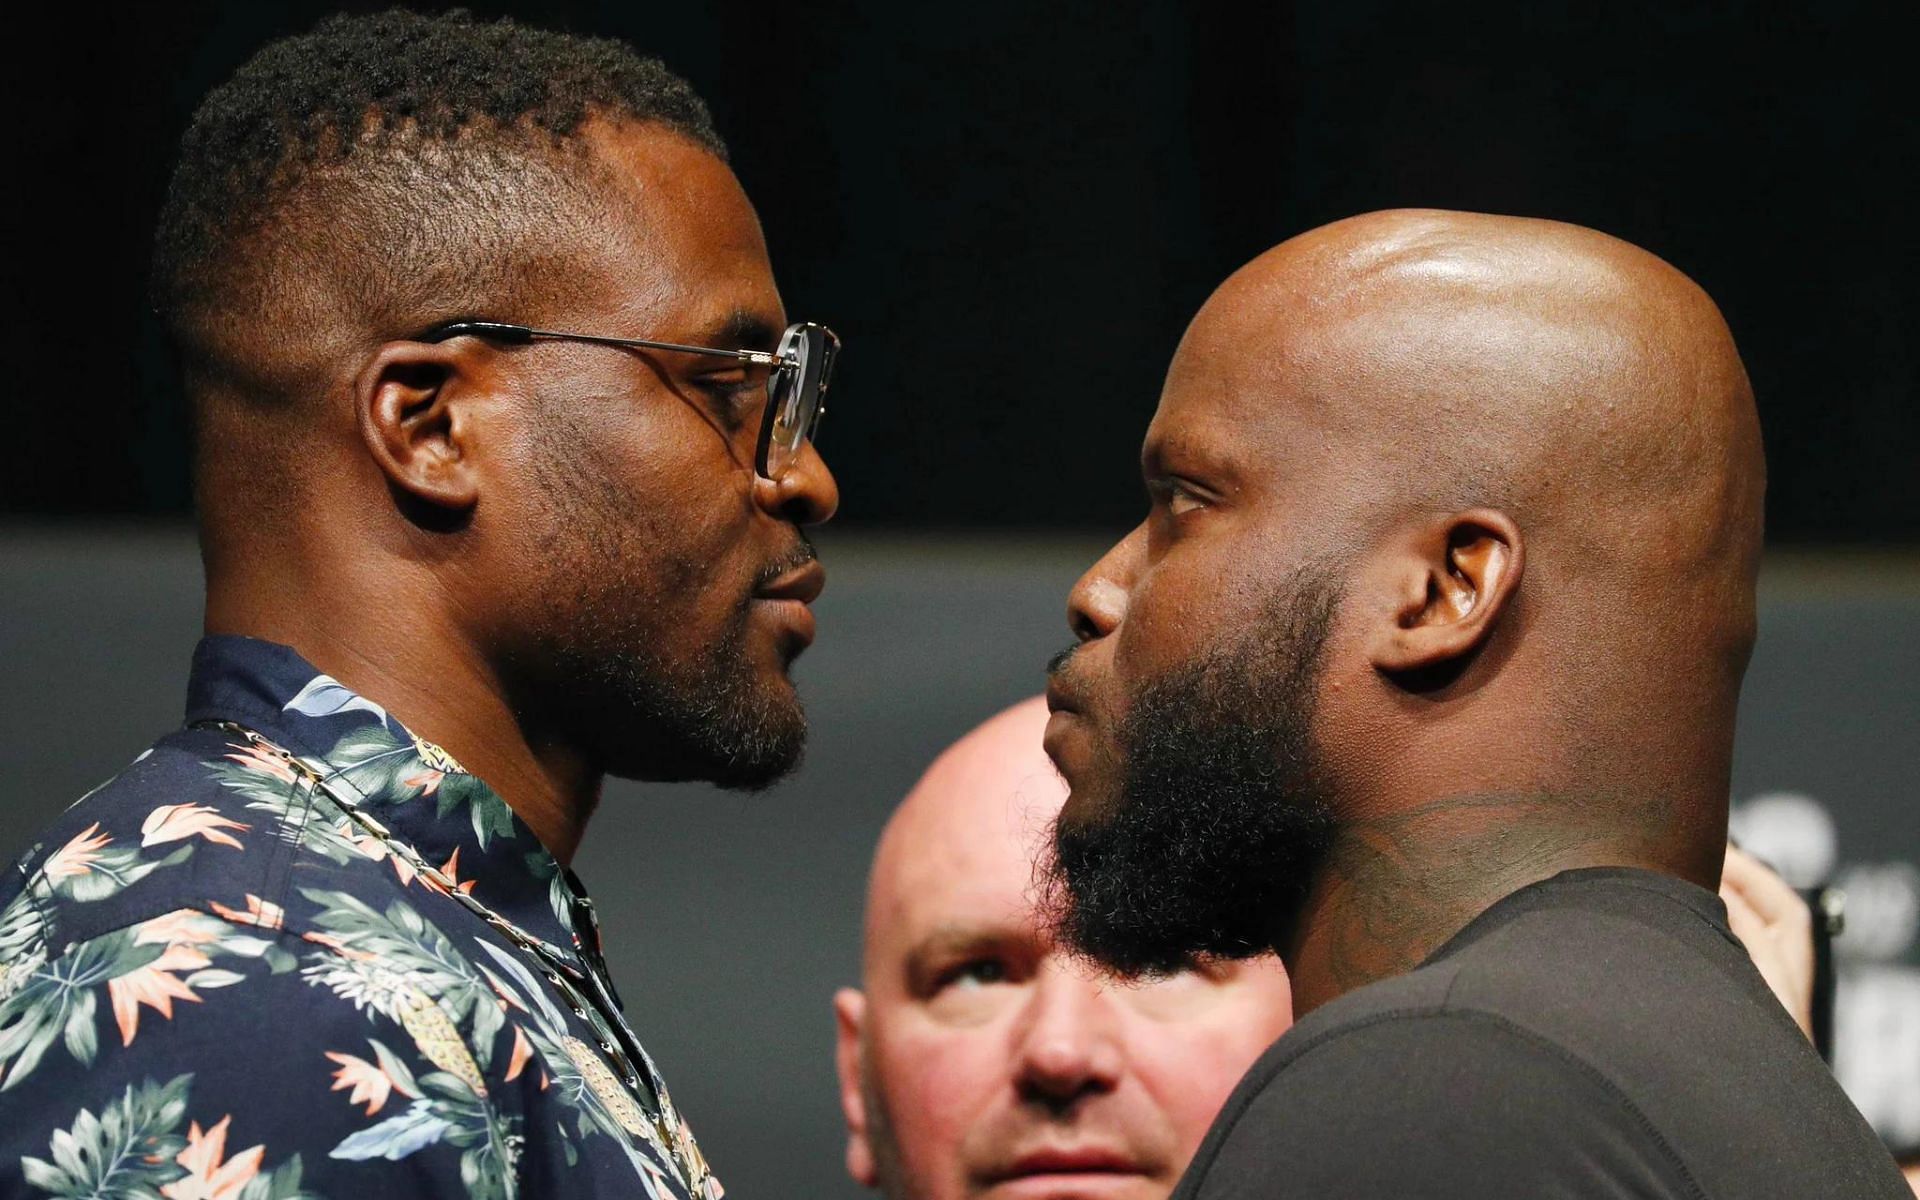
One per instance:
(409, 400)
(850, 1017)
(1449, 583)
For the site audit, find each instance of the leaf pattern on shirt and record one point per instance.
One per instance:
(396, 964)
(90, 867)
(40, 1001)
(404, 968)
(267, 890)
(601, 1103)
(129, 1149)
(149, 965)
(559, 897)
(445, 1109)
(133, 1149)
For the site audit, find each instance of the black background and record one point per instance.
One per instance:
(1010, 212)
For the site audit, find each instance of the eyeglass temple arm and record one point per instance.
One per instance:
(522, 334)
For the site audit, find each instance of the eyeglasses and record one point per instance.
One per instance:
(802, 367)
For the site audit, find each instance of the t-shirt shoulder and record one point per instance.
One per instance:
(1423, 1100)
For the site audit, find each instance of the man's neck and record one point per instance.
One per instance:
(444, 691)
(1393, 889)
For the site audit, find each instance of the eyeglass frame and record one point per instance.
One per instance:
(511, 334)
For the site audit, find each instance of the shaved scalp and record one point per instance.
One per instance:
(993, 786)
(1570, 379)
(1576, 383)
(369, 179)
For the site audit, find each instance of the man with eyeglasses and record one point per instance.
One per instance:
(503, 463)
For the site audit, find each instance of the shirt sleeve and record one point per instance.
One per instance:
(190, 1056)
(1441, 1106)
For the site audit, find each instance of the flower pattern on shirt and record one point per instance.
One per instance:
(215, 982)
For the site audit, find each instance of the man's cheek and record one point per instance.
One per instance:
(1164, 628)
(940, 1088)
(1190, 1082)
(1191, 1066)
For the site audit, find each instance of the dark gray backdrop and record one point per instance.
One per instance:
(731, 919)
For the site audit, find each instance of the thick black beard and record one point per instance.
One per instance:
(1221, 815)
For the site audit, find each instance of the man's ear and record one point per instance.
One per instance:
(1449, 583)
(850, 1018)
(411, 402)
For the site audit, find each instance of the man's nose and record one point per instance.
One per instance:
(805, 495)
(1068, 1040)
(1098, 602)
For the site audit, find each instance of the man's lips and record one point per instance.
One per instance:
(1058, 740)
(1065, 1160)
(787, 595)
(803, 583)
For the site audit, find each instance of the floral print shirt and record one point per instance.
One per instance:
(216, 984)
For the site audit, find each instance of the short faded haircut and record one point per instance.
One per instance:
(379, 173)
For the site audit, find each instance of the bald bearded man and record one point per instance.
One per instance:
(1422, 670)
(979, 1059)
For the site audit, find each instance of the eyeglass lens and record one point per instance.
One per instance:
(794, 391)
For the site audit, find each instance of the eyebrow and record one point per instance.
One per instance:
(949, 938)
(948, 942)
(1154, 456)
(741, 329)
(1151, 455)
(1228, 467)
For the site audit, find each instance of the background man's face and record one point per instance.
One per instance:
(991, 1063)
(644, 549)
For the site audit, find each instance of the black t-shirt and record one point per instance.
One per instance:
(1598, 1034)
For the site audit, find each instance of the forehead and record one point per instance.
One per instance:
(1240, 389)
(962, 860)
(684, 248)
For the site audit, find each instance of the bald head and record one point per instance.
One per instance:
(1423, 362)
(979, 814)
(1554, 371)
(1456, 518)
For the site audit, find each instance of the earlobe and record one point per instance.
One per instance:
(408, 401)
(1451, 583)
(850, 1015)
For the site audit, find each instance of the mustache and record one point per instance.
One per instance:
(799, 556)
(1061, 659)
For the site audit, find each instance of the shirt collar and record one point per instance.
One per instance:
(413, 787)
(1577, 886)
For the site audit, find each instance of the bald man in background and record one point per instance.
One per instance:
(1422, 670)
(979, 1059)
